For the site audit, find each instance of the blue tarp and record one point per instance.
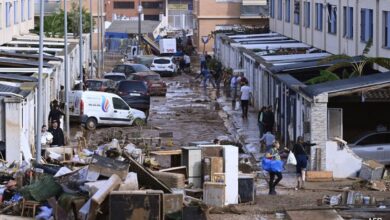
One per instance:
(272, 165)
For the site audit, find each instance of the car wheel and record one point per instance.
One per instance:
(139, 122)
(91, 123)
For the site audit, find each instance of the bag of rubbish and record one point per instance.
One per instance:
(291, 159)
(266, 164)
(272, 165)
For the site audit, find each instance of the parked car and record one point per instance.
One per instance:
(373, 146)
(165, 66)
(102, 85)
(101, 108)
(135, 93)
(129, 68)
(146, 60)
(115, 76)
(153, 80)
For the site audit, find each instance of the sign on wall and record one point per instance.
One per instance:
(178, 6)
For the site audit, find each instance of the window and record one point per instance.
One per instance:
(119, 69)
(332, 19)
(366, 24)
(348, 22)
(152, 17)
(119, 104)
(297, 12)
(387, 29)
(287, 11)
(152, 5)
(375, 139)
(8, 14)
(272, 8)
(123, 5)
(22, 11)
(29, 9)
(280, 9)
(16, 20)
(319, 16)
(306, 22)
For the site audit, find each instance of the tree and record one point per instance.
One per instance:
(54, 23)
(357, 63)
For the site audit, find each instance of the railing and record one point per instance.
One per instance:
(254, 10)
(50, 7)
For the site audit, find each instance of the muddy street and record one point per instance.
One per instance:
(185, 111)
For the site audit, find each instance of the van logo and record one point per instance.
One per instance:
(105, 104)
(76, 102)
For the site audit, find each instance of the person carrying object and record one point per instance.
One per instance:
(299, 150)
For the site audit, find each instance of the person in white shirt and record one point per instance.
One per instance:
(245, 95)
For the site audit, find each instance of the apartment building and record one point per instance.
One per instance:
(128, 9)
(339, 27)
(211, 15)
(16, 18)
(179, 13)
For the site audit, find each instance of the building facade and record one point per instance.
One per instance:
(17, 18)
(339, 27)
(128, 9)
(179, 14)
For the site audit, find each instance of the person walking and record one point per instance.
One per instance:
(233, 90)
(268, 138)
(245, 96)
(273, 153)
(260, 123)
(299, 150)
(269, 119)
(58, 135)
(55, 114)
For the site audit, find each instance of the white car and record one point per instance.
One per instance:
(165, 66)
(102, 108)
(373, 146)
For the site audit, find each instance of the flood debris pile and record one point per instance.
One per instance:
(124, 181)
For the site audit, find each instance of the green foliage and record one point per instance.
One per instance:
(54, 23)
(324, 76)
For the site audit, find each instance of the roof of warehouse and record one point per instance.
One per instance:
(131, 27)
(13, 89)
(373, 80)
(17, 77)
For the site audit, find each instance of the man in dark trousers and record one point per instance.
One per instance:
(58, 135)
(269, 119)
(55, 114)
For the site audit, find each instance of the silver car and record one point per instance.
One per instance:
(373, 146)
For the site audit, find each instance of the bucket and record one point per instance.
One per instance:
(366, 200)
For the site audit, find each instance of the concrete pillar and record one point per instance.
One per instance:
(13, 129)
(319, 129)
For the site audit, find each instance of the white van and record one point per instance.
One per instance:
(102, 108)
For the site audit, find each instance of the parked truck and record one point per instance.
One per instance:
(167, 46)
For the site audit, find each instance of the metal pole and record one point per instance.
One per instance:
(139, 27)
(98, 40)
(67, 86)
(90, 40)
(40, 107)
(81, 43)
(102, 35)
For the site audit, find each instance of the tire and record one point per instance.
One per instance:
(91, 124)
(139, 122)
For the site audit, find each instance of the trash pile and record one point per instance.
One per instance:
(124, 182)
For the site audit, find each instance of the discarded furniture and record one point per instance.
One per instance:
(230, 154)
(172, 180)
(29, 207)
(371, 170)
(319, 176)
(175, 156)
(246, 188)
(173, 206)
(191, 158)
(214, 194)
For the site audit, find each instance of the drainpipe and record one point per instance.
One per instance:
(67, 85)
(377, 31)
(357, 52)
(339, 27)
(40, 109)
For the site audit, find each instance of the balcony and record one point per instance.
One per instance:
(254, 9)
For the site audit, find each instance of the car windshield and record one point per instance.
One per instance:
(161, 61)
(153, 78)
(140, 68)
(94, 85)
(127, 86)
(115, 77)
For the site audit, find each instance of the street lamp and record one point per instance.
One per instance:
(139, 28)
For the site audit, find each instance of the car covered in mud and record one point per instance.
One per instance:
(156, 86)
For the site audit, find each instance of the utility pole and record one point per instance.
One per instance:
(139, 28)
(102, 35)
(40, 73)
(90, 41)
(67, 86)
(81, 43)
(98, 38)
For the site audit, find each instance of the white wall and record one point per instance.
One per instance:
(343, 162)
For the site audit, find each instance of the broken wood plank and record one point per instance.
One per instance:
(315, 176)
(317, 215)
